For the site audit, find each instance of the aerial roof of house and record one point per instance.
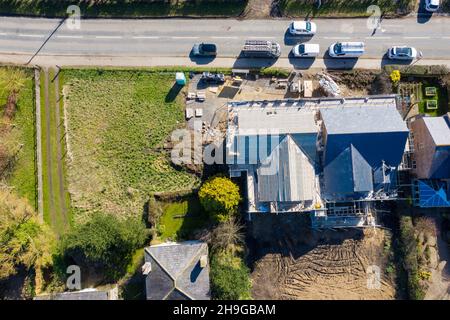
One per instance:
(364, 119)
(348, 173)
(177, 272)
(377, 132)
(439, 128)
(286, 175)
(279, 120)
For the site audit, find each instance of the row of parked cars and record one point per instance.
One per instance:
(269, 49)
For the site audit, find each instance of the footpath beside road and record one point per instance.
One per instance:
(139, 61)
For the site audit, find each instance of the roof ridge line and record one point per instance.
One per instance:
(160, 264)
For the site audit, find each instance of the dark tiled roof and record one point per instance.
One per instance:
(176, 272)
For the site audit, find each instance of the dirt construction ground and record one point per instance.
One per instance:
(293, 262)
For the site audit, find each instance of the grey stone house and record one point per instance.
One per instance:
(177, 271)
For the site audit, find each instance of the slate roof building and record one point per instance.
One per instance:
(362, 148)
(275, 147)
(330, 157)
(177, 271)
(432, 157)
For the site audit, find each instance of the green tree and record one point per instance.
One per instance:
(230, 277)
(104, 243)
(220, 197)
(24, 241)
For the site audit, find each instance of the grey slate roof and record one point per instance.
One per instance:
(365, 119)
(287, 175)
(176, 272)
(439, 129)
(348, 173)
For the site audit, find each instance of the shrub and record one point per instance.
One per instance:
(274, 72)
(395, 76)
(410, 258)
(220, 197)
(230, 277)
(227, 235)
(105, 243)
(24, 241)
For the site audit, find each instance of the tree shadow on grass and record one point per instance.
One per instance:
(173, 92)
(134, 287)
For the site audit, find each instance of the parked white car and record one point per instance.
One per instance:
(346, 49)
(302, 28)
(306, 50)
(402, 53)
(432, 5)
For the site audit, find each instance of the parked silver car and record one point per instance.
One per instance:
(302, 28)
(402, 53)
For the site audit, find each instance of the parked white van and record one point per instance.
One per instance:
(306, 50)
(432, 5)
(346, 49)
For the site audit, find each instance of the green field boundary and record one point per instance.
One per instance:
(125, 9)
(54, 203)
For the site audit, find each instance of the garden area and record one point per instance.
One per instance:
(124, 9)
(119, 122)
(431, 99)
(427, 87)
(343, 8)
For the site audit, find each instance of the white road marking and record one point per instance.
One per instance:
(32, 35)
(184, 37)
(379, 38)
(145, 37)
(69, 37)
(337, 38)
(224, 37)
(260, 38)
(3, 34)
(416, 37)
(108, 37)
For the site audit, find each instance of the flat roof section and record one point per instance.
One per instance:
(364, 119)
(281, 120)
(439, 130)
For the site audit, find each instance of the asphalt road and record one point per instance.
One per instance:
(166, 41)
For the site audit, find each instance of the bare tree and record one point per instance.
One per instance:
(227, 234)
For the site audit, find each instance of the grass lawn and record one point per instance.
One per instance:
(51, 8)
(339, 8)
(22, 178)
(118, 122)
(439, 97)
(181, 219)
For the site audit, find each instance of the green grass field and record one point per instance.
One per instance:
(22, 178)
(51, 8)
(341, 8)
(118, 122)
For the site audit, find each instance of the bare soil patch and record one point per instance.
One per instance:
(292, 261)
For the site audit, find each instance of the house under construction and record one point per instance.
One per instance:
(333, 158)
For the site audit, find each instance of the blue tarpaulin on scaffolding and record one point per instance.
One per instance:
(433, 193)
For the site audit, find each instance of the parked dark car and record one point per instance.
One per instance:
(213, 77)
(204, 50)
